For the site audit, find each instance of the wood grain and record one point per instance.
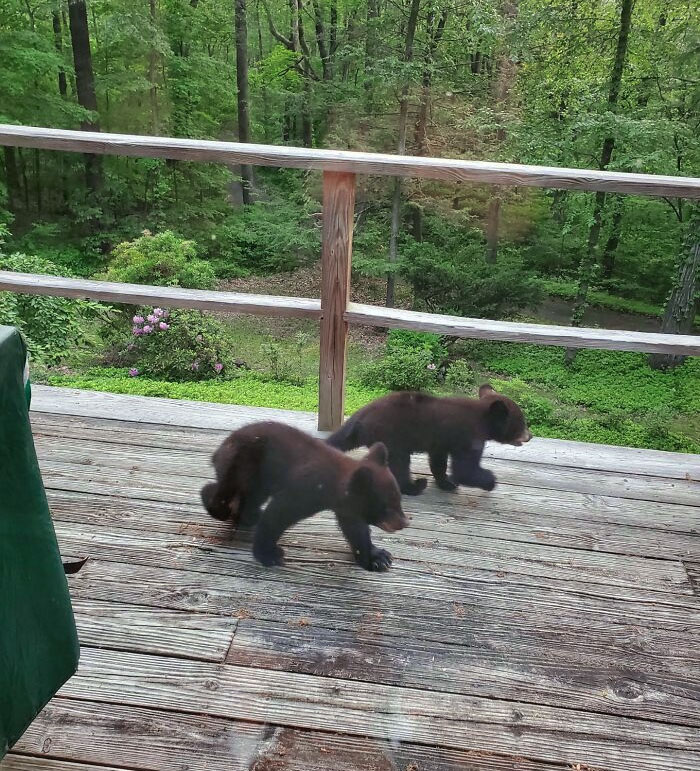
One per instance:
(379, 711)
(521, 665)
(168, 296)
(542, 334)
(343, 161)
(153, 740)
(550, 452)
(338, 219)
(153, 630)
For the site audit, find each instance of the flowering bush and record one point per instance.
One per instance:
(177, 345)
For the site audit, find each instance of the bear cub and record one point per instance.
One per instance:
(454, 428)
(300, 476)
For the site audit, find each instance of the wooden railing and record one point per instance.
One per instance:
(334, 310)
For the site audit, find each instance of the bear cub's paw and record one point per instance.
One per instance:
(269, 555)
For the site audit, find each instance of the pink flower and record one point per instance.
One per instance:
(133, 372)
(218, 367)
(138, 319)
(166, 314)
(162, 325)
(147, 329)
(432, 366)
(194, 366)
(152, 318)
(158, 312)
(137, 331)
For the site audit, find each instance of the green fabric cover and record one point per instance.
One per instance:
(38, 640)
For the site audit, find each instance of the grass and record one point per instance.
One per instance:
(566, 290)
(250, 388)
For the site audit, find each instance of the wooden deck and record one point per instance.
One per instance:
(552, 624)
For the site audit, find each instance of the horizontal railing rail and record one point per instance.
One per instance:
(448, 169)
(356, 313)
(334, 309)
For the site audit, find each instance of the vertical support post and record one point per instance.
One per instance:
(336, 254)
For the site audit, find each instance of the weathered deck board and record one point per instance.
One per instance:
(197, 464)
(379, 711)
(470, 556)
(153, 740)
(552, 452)
(547, 624)
(153, 630)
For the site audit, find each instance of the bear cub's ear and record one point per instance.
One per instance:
(486, 390)
(361, 481)
(378, 454)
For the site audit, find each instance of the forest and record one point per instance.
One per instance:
(599, 84)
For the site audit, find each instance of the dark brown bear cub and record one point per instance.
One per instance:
(300, 476)
(458, 428)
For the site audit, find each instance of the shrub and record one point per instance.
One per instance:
(263, 239)
(177, 345)
(537, 408)
(52, 326)
(461, 377)
(461, 282)
(163, 259)
(406, 369)
(406, 339)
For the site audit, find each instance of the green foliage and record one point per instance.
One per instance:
(263, 239)
(52, 326)
(178, 345)
(282, 366)
(461, 377)
(406, 339)
(567, 291)
(461, 282)
(163, 259)
(249, 388)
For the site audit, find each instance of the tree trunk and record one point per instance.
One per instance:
(505, 78)
(242, 85)
(152, 70)
(85, 85)
(610, 251)
(589, 262)
(370, 52)
(401, 149)
(58, 43)
(493, 224)
(14, 192)
(37, 184)
(681, 307)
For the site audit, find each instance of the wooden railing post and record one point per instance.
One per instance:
(336, 253)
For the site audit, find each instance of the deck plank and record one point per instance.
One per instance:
(471, 556)
(486, 517)
(169, 413)
(139, 457)
(152, 740)
(379, 711)
(550, 623)
(153, 630)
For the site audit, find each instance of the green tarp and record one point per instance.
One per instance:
(38, 640)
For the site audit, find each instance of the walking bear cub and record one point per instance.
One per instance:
(301, 476)
(411, 422)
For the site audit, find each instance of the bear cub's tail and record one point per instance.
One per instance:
(347, 436)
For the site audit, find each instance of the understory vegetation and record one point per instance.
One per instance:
(574, 84)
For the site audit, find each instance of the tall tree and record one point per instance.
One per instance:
(401, 149)
(85, 85)
(242, 95)
(589, 261)
(58, 43)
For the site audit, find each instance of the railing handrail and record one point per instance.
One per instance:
(334, 310)
(448, 169)
(355, 313)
